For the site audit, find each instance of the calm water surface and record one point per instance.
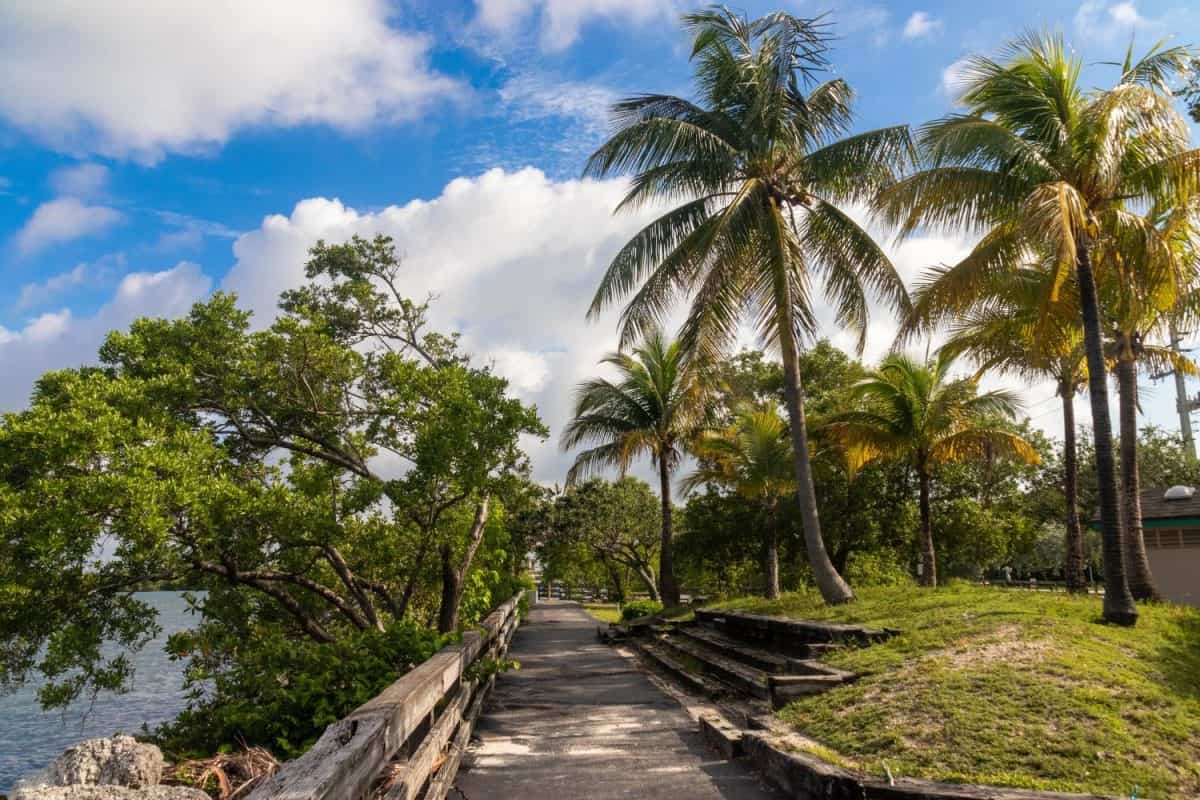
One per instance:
(30, 738)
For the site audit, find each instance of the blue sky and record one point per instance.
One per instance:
(153, 152)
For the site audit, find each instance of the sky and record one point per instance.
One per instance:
(152, 153)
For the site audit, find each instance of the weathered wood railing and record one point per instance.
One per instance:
(389, 747)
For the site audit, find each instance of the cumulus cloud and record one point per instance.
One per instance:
(560, 21)
(921, 26)
(1106, 21)
(143, 77)
(36, 294)
(62, 220)
(953, 78)
(60, 339)
(81, 180)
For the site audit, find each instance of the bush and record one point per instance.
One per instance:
(640, 608)
(280, 692)
(878, 568)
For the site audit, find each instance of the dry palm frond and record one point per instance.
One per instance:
(234, 774)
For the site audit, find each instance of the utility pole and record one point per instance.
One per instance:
(1183, 403)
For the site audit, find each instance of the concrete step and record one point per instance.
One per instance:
(789, 635)
(689, 675)
(747, 679)
(752, 655)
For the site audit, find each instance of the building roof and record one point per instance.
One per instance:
(1155, 507)
(1159, 512)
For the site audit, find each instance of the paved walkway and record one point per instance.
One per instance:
(579, 721)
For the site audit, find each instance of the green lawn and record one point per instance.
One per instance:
(605, 612)
(1013, 688)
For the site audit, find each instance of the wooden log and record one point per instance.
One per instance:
(352, 752)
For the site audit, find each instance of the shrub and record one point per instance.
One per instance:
(281, 692)
(640, 608)
(878, 568)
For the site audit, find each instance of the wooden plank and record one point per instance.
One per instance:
(345, 761)
(416, 771)
(443, 782)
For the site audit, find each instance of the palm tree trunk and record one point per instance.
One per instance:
(831, 585)
(667, 588)
(1141, 581)
(772, 565)
(928, 555)
(1073, 564)
(1118, 602)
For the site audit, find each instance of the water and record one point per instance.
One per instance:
(31, 738)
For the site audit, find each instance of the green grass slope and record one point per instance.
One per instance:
(1011, 687)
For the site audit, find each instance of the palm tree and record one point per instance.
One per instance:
(756, 173)
(1036, 163)
(753, 457)
(915, 412)
(1142, 290)
(653, 408)
(1016, 330)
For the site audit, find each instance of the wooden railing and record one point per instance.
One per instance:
(390, 746)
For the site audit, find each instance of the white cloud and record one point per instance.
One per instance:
(36, 294)
(1106, 21)
(560, 21)
(189, 232)
(82, 180)
(952, 78)
(921, 26)
(142, 77)
(60, 339)
(537, 96)
(62, 220)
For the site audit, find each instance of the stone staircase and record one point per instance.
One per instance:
(749, 657)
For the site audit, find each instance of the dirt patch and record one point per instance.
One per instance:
(1006, 645)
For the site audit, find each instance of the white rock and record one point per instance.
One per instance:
(85, 792)
(119, 761)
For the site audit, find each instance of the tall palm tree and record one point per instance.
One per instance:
(756, 173)
(654, 407)
(915, 412)
(753, 457)
(1036, 163)
(1142, 290)
(1016, 330)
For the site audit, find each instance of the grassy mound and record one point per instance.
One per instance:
(1011, 687)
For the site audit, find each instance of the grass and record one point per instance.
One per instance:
(605, 612)
(608, 612)
(1011, 688)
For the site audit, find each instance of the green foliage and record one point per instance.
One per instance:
(636, 609)
(878, 568)
(486, 668)
(602, 534)
(281, 692)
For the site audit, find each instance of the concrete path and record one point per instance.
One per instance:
(579, 721)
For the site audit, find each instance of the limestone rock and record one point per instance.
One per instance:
(119, 761)
(85, 792)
